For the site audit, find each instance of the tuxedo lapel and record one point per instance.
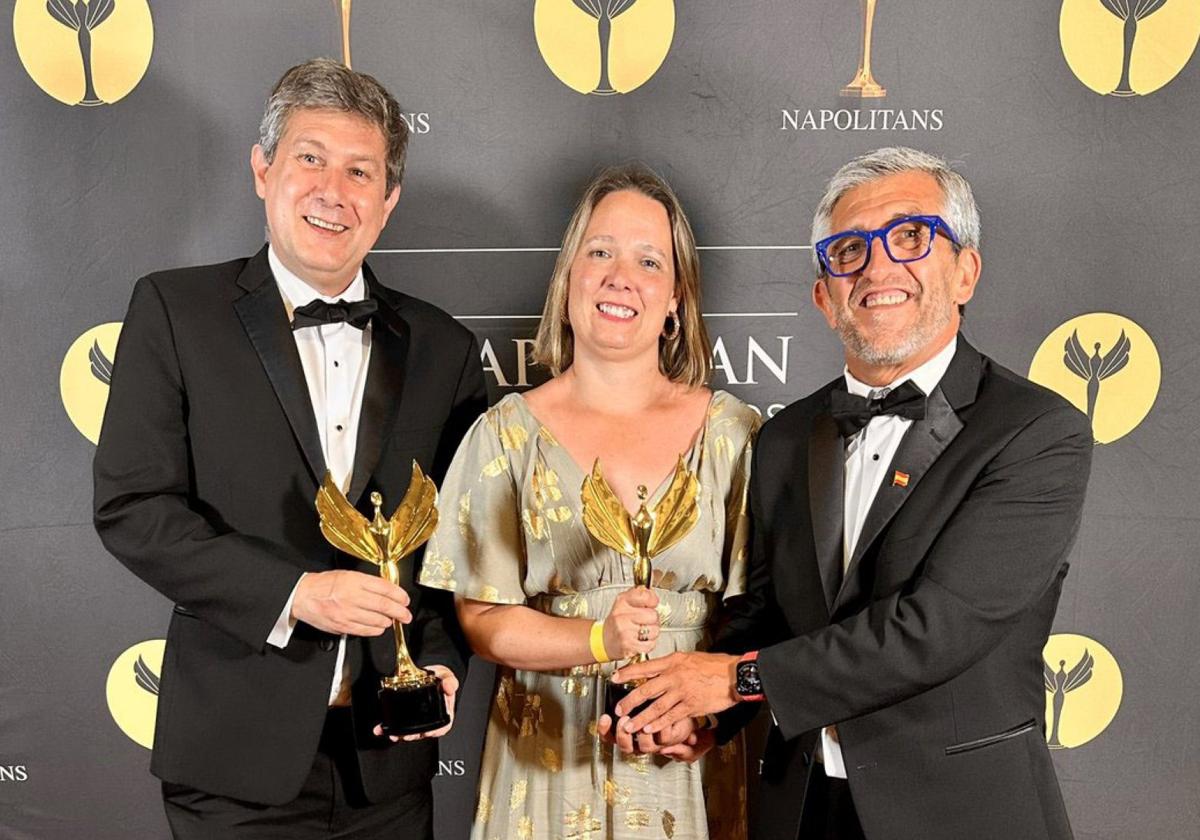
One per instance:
(385, 381)
(924, 442)
(826, 476)
(264, 319)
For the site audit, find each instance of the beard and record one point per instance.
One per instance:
(887, 350)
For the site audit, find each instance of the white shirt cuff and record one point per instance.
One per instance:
(281, 633)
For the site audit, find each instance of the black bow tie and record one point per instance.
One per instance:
(852, 412)
(357, 314)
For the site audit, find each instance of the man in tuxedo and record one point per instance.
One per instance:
(911, 526)
(235, 388)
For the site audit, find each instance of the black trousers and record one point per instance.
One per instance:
(331, 804)
(829, 810)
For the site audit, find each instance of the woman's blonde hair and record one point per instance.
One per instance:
(686, 358)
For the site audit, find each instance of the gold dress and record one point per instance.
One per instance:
(511, 533)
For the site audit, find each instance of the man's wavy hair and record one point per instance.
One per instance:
(326, 84)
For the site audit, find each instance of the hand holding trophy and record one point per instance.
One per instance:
(411, 699)
(641, 537)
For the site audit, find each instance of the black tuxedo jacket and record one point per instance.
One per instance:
(928, 653)
(205, 479)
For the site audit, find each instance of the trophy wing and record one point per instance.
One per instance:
(1076, 358)
(604, 515)
(344, 527)
(1116, 358)
(1081, 673)
(676, 512)
(415, 519)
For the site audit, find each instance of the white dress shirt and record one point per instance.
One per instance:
(868, 456)
(334, 358)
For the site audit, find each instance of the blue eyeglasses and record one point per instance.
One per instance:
(905, 240)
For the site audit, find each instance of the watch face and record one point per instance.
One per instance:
(748, 683)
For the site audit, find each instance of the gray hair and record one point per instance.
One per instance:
(324, 83)
(959, 210)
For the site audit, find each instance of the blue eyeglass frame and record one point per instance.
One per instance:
(935, 223)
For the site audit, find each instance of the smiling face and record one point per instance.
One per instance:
(891, 316)
(622, 281)
(325, 195)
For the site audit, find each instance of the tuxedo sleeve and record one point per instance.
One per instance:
(442, 639)
(996, 556)
(142, 508)
(753, 620)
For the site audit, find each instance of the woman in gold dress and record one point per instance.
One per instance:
(623, 335)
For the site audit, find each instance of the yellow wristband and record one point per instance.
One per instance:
(596, 640)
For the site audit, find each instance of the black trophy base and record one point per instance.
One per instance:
(614, 693)
(409, 711)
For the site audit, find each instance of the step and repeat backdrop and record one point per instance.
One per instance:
(125, 134)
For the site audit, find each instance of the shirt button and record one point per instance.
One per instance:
(874, 457)
(336, 364)
(339, 428)
(327, 644)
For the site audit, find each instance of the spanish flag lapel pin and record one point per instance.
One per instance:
(900, 479)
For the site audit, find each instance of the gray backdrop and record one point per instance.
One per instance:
(1088, 206)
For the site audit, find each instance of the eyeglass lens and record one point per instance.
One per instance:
(906, 241)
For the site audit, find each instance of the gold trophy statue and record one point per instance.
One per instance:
(641, 537)
(864, 86)
(412, 699)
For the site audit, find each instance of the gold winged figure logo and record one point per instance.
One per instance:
(1060, 683)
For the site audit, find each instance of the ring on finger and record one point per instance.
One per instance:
(643, 633)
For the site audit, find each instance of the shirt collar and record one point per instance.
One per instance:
(926, 377)
(297, 293)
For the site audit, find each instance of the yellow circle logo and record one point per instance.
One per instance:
(84, 52)
(1107, 366)
(604, 46)
(1083, 689)
(132, 690)
(86, 372)
(1128, 47)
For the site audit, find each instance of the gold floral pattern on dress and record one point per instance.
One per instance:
(639, 763)
(572, 606)
(525, 828)
(695, 612)
(531, 714)
(668, 824)
(723, 446)
(663, 580)
(495, 467)
(437, 569)
(464, 515)
(551, 760)
(504, 692)
(486, 592)
(664, 611)
(580, 823)
(615, 794)
(483, 808)
(636, 818)
(576, 687)
(547, 437)
(513, 437)
(516, 796)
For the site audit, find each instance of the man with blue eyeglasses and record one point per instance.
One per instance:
(911, 526)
